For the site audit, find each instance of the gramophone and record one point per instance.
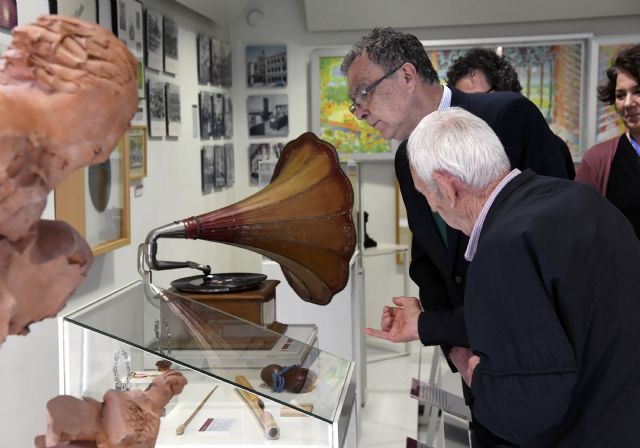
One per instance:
(302, 220)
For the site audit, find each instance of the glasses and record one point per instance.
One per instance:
(361, 96)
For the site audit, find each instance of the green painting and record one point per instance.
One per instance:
(338, 126)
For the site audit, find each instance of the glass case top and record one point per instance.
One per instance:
(201, 338)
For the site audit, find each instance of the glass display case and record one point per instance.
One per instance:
(118, 341)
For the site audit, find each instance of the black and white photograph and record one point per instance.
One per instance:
(268, 115)
(262, 161)
(170, 28)
(218, 115)
(105, 13)
(140, 77)
(220, 166)
(207, 168)
(173, 110)
(216, 62)
(266, 66)
(226, 64)
(156, 108)
(204, 59)
(228, 151)
(129, 25)
(205, 106)
(154, 38)
(82, 9)
(228, 117)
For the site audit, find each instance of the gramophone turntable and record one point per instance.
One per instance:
(302, 220)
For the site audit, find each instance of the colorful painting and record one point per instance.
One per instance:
(337, 125)
(608, 123)
(550, 75)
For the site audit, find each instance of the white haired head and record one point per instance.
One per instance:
(457, 142)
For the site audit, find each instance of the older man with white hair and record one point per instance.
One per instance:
(553, 292)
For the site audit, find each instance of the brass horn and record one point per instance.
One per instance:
(302, 220)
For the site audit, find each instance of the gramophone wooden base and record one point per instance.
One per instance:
(258, 305)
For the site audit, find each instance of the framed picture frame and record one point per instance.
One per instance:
(268, 115)
(170, 40)
(552, 71)
(220, 166)
(230, 162)
(216, 62)
(137, 146)
(207, 167)
(330, 117)
(95, 201)
(205, 109)
(174, 122)
(266, 65)
(82, 9)
(9, 16)
(204, 59)
(603, 121)
(128, 25)
(156, 108)
(154, 39)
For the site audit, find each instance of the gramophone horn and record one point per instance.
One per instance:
(302, 220)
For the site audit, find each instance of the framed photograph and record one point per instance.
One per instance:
(156, 108)
(330, 117)
(207, 168)
(228, 151)
(266, 65)
(268, 115)
(603, 120)
(262, 162)
(220, 166)
(550, 69)
(9, 14)
(82, 9)
(137, 146)
(216, 62)
(228, 117)
(140, 78)
(105, 13)
(226, 64)
(173, 110)
(95, 201)
(170, 29)
(218, 114)
(205, 106)
(154, 40)
(128, 25)
(204, 59)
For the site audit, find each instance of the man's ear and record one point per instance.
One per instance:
(448, 186)
(409, 74)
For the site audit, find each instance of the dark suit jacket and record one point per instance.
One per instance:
(555, 325)
(440, 273)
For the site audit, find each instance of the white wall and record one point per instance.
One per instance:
(29, 370)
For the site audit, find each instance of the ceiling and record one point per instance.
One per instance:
(347, 15)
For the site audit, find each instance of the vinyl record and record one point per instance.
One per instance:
(219, 283)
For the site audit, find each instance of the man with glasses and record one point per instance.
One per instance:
(393, 85)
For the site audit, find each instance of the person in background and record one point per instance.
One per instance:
(482, 70)
(392, 85)
(613, 167)
(553, 333)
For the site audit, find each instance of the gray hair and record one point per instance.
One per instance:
(459, 143)
(390, 49)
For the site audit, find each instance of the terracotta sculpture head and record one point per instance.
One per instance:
(67, 94)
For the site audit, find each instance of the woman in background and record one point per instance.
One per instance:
(613, 167)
